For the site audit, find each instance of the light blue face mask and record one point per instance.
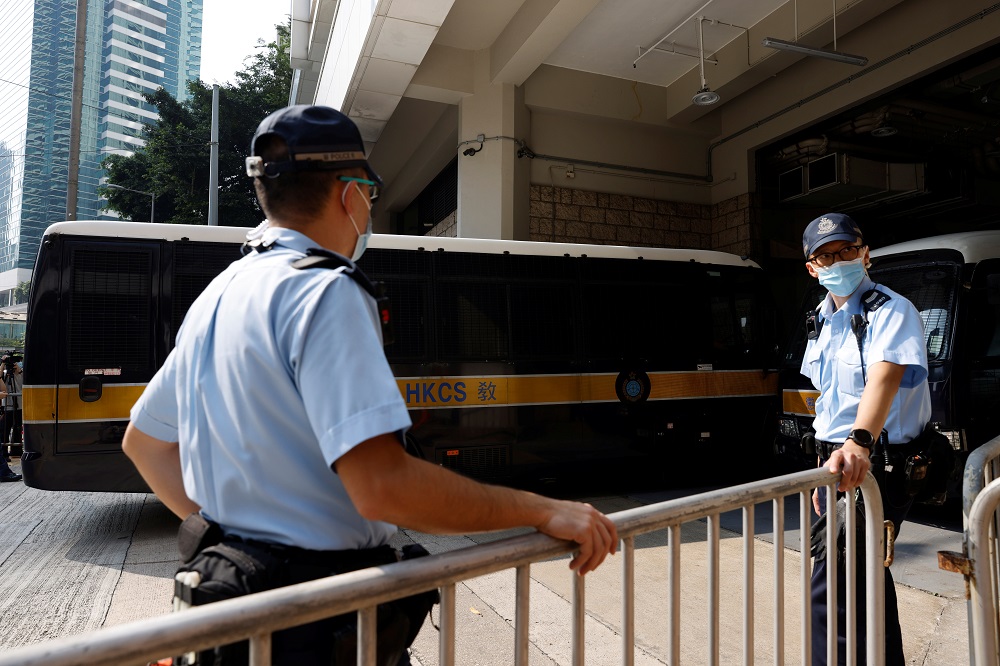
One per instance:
(359, 248)
(362, 244)
(843, 278)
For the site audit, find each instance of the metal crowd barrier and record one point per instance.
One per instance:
(979, 558)
(257, 616)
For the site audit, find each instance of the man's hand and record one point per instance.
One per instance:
(853, 461)
(591, 529)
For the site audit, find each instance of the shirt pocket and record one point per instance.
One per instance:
(850, 380)
(812, 364)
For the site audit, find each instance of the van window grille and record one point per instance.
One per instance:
(541, 321)
(472, 321)
(410, 319)
(931, 289)
(528, 267)
(195, 265)
(406, 276)
(380, 263)
(635, 321)
(109, 314)
(473, 266)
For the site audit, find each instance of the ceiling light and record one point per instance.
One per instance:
(705, 97)
(884, 130)
(837, 56)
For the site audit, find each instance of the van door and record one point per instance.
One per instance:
(980, 410)
(106, 336)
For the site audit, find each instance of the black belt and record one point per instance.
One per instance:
(825, 449)
(341, 560)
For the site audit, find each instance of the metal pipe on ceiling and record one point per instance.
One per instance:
(667, 36)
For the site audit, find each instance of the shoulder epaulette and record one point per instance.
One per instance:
(320, 258)
(873, 299)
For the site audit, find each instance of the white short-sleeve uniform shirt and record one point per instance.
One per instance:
(277, 372)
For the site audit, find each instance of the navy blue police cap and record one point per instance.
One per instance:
(828, 228)
(319, 138)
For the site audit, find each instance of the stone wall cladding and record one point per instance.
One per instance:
(446, 227)
(564, 215)
(734, 226)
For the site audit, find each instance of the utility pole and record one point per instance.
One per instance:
(76, 113)
(213, 169)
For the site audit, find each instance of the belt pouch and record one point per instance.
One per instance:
(196, 534)
(228, 570)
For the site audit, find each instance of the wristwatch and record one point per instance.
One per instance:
(862, 438)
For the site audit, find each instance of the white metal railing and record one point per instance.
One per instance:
(257, 616)
(980, 551)
(981, 536)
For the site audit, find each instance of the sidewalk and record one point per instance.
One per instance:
(76, 562)
(935, 630)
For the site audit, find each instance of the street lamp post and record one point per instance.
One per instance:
(151, 195)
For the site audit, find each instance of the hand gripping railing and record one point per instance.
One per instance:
(257, 616)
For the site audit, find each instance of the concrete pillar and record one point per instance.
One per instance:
(493, 183)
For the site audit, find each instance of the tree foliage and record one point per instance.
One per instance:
(175, 161)
(21, 292)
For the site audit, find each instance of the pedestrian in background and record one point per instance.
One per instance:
(276, 424)
(6, 473)
(13, 371)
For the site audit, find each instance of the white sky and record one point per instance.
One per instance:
(230, 30)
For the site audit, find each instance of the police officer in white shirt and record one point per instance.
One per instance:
(867, 357)
(277, 422)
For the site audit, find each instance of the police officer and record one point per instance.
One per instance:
(277, 417)
(872, 379)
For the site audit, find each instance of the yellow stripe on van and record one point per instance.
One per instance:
(44, 404)
(799, 402)
(450, 392)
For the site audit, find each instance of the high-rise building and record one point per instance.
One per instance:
(129, 47)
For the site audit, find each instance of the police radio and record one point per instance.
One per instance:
(813, 325)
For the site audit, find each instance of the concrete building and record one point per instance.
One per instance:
(129, 47)
(690, 124)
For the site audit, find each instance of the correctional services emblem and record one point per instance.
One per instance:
(632, 386)
(826, 225)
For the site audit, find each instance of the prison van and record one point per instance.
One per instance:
(517, 360)
(954, 282)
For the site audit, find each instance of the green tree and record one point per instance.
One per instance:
(174, 164)
(21, 292)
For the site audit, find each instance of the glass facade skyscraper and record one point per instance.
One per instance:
(131, 47)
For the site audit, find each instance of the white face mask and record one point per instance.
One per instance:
(362, 243)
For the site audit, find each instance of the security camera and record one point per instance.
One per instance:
(469, 152)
